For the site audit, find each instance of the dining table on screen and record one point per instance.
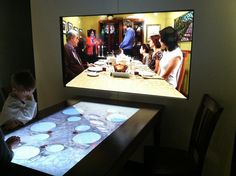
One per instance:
(137, 79)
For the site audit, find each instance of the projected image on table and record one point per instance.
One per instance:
(56, 143)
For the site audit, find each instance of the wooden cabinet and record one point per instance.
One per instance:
(111, 32)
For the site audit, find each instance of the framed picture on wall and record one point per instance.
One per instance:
(76, 29)
(69, 26)
(184, 27)
(152, 29)
(64, 27)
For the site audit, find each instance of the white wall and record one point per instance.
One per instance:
(213, 66)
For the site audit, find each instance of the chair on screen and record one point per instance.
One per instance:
(182, 71)
(233, 163)
(169, 161)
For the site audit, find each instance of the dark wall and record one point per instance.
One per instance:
(16, 46)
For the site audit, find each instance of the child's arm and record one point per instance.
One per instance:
(23, 112)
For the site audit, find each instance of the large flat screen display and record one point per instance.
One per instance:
(102, 52)
(55, 144)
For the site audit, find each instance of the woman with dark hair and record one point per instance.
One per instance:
(91, 46)
(144, 51)
(156, 54)
(171, 61)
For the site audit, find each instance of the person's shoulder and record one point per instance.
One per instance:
(11, 97)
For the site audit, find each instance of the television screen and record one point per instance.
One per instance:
(59, 141)
(141, 53)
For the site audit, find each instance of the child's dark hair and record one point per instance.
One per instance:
(169, 37)
(146, 47)
(23, 80)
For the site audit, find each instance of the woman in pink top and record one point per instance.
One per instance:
(91, 46)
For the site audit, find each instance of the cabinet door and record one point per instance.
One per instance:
(109, 34)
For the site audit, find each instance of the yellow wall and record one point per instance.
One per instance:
(163, 19)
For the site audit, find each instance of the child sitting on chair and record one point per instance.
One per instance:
(20, 106)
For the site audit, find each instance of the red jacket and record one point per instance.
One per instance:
(90, 45)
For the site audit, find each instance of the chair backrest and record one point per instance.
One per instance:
(205, 121)
(182, 71)
(233, 163)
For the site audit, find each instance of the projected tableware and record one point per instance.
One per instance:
(73, 111)
(86, 138)
(37, 137)
(73, 119)
(82, 128)
(25, 152)
(42, 126)
(54, 148)
(117, 118)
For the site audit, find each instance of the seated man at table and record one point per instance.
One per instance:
(72, 62)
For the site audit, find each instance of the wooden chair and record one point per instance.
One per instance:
(169, 161)
(233, 163)
(182, 71)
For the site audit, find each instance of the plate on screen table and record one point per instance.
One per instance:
(93, 74)
(146, 73)
(95, 69)
(117, 118)
(99, 63)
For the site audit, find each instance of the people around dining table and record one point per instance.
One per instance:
(156, 56)
(171, 62)
(73, 64)
(144, 51)
(129, 39)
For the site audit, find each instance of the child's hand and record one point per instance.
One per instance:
(29, 97)
(13, 141)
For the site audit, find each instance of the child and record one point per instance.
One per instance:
(20, 106)
(144, 50)
(6, 152)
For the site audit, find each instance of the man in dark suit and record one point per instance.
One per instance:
(72, 62)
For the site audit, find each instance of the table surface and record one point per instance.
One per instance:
(134, 84)
(113, 151)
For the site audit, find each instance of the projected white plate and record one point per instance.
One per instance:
(146, 73)
(73, 119)
(54, 148)
(37, 137)
(102, 129)
(42, 126)
(116, 118)
(93, 116)
(95, 69)
(92, 73)
(25, 152)
(73, 111)
(86, 138)
(82, 128)
(97, 122)
(112, 111)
